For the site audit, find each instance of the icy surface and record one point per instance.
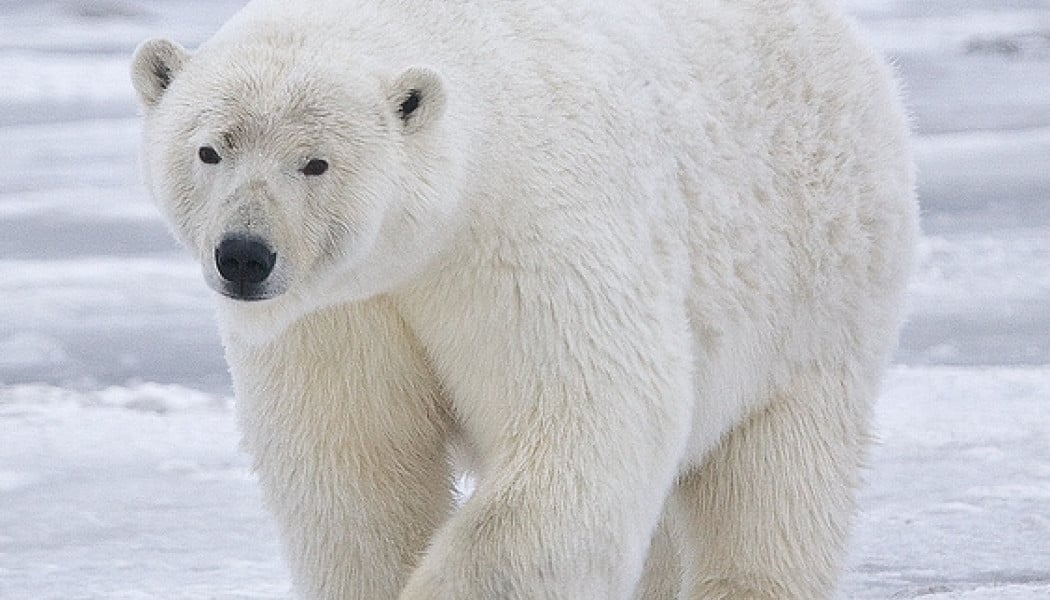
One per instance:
(119, 470)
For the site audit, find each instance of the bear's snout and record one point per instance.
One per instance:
(244, 262)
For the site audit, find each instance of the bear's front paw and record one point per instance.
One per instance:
(470, 575)
(426, 586)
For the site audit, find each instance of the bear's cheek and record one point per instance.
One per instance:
(186, 211)
(342, 216)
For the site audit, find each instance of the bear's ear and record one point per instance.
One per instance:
(154, 67)
(418, 98)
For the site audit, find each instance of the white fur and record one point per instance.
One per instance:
(640, 261)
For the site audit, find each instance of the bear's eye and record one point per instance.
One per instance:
(208, 155)
(316, 166)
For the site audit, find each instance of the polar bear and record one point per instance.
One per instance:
(638, 263)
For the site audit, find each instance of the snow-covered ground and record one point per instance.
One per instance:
(119, 470)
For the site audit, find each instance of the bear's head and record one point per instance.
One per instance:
(298, 181)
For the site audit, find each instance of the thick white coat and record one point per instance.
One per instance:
(639, 263)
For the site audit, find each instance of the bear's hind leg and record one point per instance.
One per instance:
(766, 515)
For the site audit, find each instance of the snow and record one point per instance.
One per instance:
(120, 474)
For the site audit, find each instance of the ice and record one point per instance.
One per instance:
(128, 492)
(958, 499)
(120, 474)
(140, 491)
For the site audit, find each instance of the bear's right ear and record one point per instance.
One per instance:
(418, 98)
(154, 67)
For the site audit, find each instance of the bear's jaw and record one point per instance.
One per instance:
(254, 323)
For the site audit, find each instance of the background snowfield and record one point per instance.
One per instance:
(120, 475)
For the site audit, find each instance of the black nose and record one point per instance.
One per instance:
(244, 260)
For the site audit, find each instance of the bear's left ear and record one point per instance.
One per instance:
(418, 98)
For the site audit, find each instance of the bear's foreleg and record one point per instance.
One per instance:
(347, 433)
(662, 577)
(577, 399)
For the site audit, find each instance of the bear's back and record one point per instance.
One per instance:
(772, 139)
